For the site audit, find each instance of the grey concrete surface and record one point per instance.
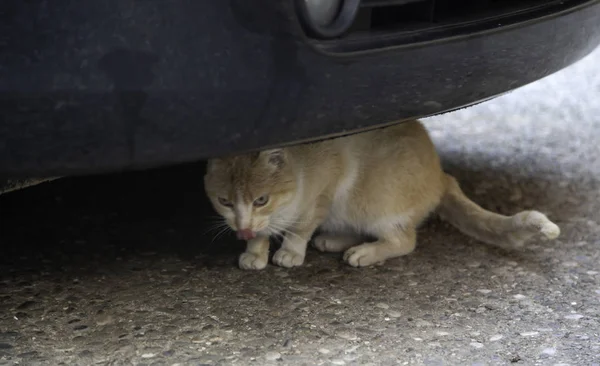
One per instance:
(118, 270)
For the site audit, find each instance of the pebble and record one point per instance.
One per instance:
(273, 356)
(85, 354)
(148, 355)
(26, 305)
(549, 351)
(104, 319)
(65, 349)
(484, 291)
(496, 337)
(350, 357)
(338, 362)
(394, 313)
(420, 323)
(28, 354)
(347, 336)
(440, 333)
(351, 349)
(476, 345)
(520, 296)
(382, 306)
(570, 264)
(324, 351)
(168, 353)
(574, 316)
(529, 334)
(197, 340)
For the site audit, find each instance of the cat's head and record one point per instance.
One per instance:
(250, 190)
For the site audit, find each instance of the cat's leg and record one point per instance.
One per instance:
(336, 243)
(394, 243)
(293, 248)
(256, 255)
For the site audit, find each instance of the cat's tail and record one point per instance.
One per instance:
(489, 227)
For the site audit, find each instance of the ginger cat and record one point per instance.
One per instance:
(381, 183)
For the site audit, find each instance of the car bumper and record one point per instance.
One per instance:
(92, 86)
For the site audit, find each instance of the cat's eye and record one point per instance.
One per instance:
(261, 201)
(225, 202)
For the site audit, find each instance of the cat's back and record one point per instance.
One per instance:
(388, 175)
(406, 143)
(400, 150)
(399, 169)
(407, 138)
(388, 152)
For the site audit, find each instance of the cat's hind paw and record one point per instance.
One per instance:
(252, 261)
(287, 258)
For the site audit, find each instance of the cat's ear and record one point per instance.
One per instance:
(275, 157)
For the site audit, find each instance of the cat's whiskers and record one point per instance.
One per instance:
(220, 226)
(273, 232)
(223, 231)
(292, 223)
(286, 231)
(289, 223)
(213, 218)
(215, 226)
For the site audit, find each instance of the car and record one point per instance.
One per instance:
(93, 86)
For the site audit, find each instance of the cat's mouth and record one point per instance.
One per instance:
(246, 234)
(249, 234)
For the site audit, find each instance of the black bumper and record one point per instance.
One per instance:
(89, 86)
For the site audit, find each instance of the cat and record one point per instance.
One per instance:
(381, 183)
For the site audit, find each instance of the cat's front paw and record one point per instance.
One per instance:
(334, 244)
(362, 255)
(287, 258)
(252, 261)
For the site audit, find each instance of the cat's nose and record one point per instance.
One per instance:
(246, 234)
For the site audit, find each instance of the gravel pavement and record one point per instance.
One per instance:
(119, 270)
